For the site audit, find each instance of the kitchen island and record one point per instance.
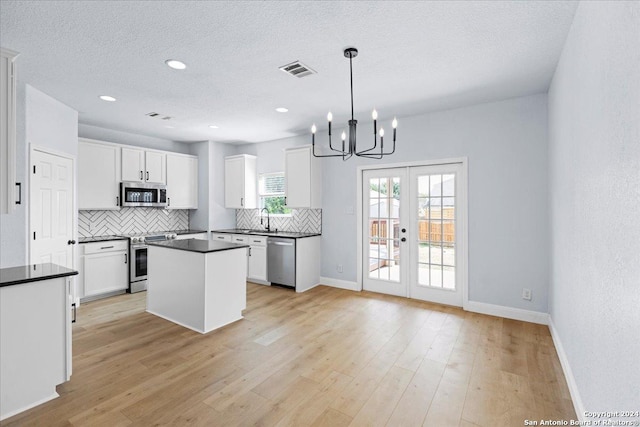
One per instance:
(198, 284)
(35, 334)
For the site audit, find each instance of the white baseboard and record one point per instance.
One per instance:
(507, 312)
(342, 284)
(29, 406)
(568, 373)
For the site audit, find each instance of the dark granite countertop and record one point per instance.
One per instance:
(100, 239)
(288, 234)
(200, 246)
(33, 273)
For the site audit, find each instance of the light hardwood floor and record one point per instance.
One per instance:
(327, 357)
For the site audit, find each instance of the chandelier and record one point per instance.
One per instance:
(350, 149)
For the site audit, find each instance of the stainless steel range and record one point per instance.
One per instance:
(138, 250)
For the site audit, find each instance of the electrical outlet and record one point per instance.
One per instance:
(339, 268)
(526, 294)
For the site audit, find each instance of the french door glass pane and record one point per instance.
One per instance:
(384, 223)
(436, 230)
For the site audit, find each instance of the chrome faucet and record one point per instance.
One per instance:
(268, 227)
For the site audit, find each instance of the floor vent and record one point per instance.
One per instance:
(297, 69)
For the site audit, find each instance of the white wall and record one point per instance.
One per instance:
(44, 122)
(594, 186)
(506, 144)
(119, 137)
(211, 213)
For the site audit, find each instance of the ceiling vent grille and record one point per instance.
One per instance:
(297, 69)
(159, 116)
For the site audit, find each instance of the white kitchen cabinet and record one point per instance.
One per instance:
(257, 270)
(221, 237)
(139, 165)
(104, 268)
(98, 175)
(256, 255)
(303, 178)
(182, 181)
(240, 182)
(8, 80)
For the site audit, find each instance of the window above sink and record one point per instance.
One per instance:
(271, 194)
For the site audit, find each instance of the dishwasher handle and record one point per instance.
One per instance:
(281, 243)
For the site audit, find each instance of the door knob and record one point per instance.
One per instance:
(71, 242)
(404, 230)
(404, 239)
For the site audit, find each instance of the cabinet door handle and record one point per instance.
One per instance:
(168, 201)
(249, 251)
(106, 247)
(117, 201)
(19, 184)
(126, 258)
(71, 242)
(75, 309)
(241, 201)
(147, 175)
(141, 176)
(285, 200)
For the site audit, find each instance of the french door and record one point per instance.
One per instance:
(413, 232)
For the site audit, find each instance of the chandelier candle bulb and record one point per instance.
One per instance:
(394, 125)
(374, 116)
(329, 118)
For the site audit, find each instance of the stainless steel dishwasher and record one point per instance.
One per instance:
(281, 261)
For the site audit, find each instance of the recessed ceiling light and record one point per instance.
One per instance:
(107, 98)
(282, 110)
(213, 126)
(175, 64)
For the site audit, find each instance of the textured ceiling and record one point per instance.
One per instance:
(414, 57)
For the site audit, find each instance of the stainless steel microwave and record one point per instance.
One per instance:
(139, 194)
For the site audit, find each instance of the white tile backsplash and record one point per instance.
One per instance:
(300, 221)
(131, 220)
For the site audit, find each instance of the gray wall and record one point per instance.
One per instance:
(43, 122)
(594, 186)
(211, 213)
(119, 137)
(506, 144)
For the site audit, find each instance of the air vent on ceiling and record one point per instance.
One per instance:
(159, 116)
(297, 69)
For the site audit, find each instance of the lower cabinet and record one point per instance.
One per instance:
(256, 255)
(104, 268)
(222, 237)
(257, 258)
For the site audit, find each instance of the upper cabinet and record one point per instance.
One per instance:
(240, 182)
(303, 178)
(139, 165)
(98, 175)
(182, 181)
(8, 131)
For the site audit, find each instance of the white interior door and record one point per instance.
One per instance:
(51, 209)
(436, 230)
(385, 223)
(414, 236)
